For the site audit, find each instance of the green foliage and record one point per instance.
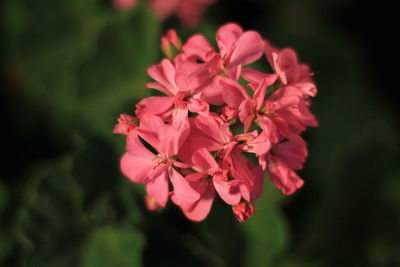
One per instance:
(81, 63)
(266, 230)
(117, 247)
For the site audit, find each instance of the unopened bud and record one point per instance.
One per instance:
(229, 114)
(151, 203)
(243, 210)
(171, 44)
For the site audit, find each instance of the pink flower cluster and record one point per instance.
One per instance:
(189, 12)
(220, 124)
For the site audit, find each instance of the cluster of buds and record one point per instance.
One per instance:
(221, 125)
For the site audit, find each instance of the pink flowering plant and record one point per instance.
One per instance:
(220, 124)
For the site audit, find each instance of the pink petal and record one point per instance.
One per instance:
(213, 128)
(212, 93)
(270, 51)
(228, 190)
(234, 94)
(164, 74)
(180, 116)
(136, 148)
(258, 182)
(200, 209)
(284, 177)
(246, 113)
(227, 35)
(254, 77)
(261, 90)
(259, 146)
(155, 105)
(234, 71)
(271, 128)
(249, 47)
(191, 77)
(197, 181)
(286, 59)
(215, 65)
(183, 192)
(198, 106)
(204, 161)
(149, 130)
(136, 168)
(259, 94)
(197, 45)
(292, 152)
(158, 188)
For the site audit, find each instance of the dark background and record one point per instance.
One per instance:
(68, 68)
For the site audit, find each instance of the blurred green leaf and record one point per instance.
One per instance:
(266, 230)
(84, 62)
(51, 222)
(113, 246)
(95, 181)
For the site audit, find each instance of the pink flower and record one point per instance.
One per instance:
(190, 12)
(212, 134)
(181, 81)
(284, 159)
(284, 112)
(289, 111)
(125, 4)
(194, 143)
(237, 48)
(141, 165)
(125, 124)
(208, 179)
(290, 71)
(248, 176)
(209, 132)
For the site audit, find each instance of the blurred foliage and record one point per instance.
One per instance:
(68, 68)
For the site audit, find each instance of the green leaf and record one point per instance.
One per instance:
(112, 246)
(266, 230)
(51, 222)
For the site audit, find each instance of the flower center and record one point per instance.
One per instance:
(159, 160)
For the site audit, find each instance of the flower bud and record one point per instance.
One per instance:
(125, 124)
(229, 114)
(171, 44)
(243, 210)
(151, 203)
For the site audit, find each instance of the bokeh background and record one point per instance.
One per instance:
(68, 68)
